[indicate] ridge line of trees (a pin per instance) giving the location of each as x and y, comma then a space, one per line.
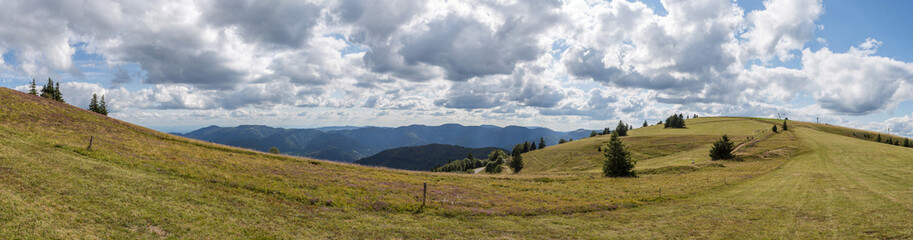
97, 106
51, 90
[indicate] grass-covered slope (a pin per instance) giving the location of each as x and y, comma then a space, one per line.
652, 146
138, 183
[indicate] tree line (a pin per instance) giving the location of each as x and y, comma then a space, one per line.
51, 90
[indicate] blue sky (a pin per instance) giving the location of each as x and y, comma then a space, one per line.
176, 65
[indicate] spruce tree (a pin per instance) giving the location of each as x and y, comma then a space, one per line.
57, 95
516, 162
93, 104
621, 129
722, 149
103, 107
774, 128
785, 128
593, 133
48, 90
32, 88
878, 139
906, 142
541, 143
469, 156
645, 123
618, 161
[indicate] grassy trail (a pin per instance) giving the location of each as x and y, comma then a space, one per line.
843, 188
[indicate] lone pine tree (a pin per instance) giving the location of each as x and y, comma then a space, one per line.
618, 161
722, 149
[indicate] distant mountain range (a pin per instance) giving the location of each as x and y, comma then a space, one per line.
348, 144
423, 158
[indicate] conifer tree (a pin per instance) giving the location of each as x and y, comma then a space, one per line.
621, 129
562, 141
878, 139
469, 156
675, 121
48, 90
645, 123
906, 142
93, 104
32, 88
785, 128
618, 161
102, 106
774, 128
593, 133
541, 143
57, 95
722, 149
516, 162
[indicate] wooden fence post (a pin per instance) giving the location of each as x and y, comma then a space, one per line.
424, 195
90, 142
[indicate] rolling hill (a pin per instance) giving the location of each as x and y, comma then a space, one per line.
813, 181
422, 158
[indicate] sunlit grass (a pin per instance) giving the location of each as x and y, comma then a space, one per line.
138, 183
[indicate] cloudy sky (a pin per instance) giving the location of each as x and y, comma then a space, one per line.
177, 65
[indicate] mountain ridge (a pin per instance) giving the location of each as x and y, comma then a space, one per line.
348, 145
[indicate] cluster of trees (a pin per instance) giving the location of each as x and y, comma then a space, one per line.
274, 150
722, 149
495, 159
621, 129
785, 126
896, 142
561, 141
492, 165
529, 146
675, 121
51, 90
98, 106
618, 162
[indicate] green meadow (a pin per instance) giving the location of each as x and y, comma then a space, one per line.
813, 181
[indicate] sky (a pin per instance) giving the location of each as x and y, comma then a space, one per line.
176, 65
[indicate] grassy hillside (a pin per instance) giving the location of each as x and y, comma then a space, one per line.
651, 146
138, 183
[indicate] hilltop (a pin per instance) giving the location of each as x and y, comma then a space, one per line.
813, 181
